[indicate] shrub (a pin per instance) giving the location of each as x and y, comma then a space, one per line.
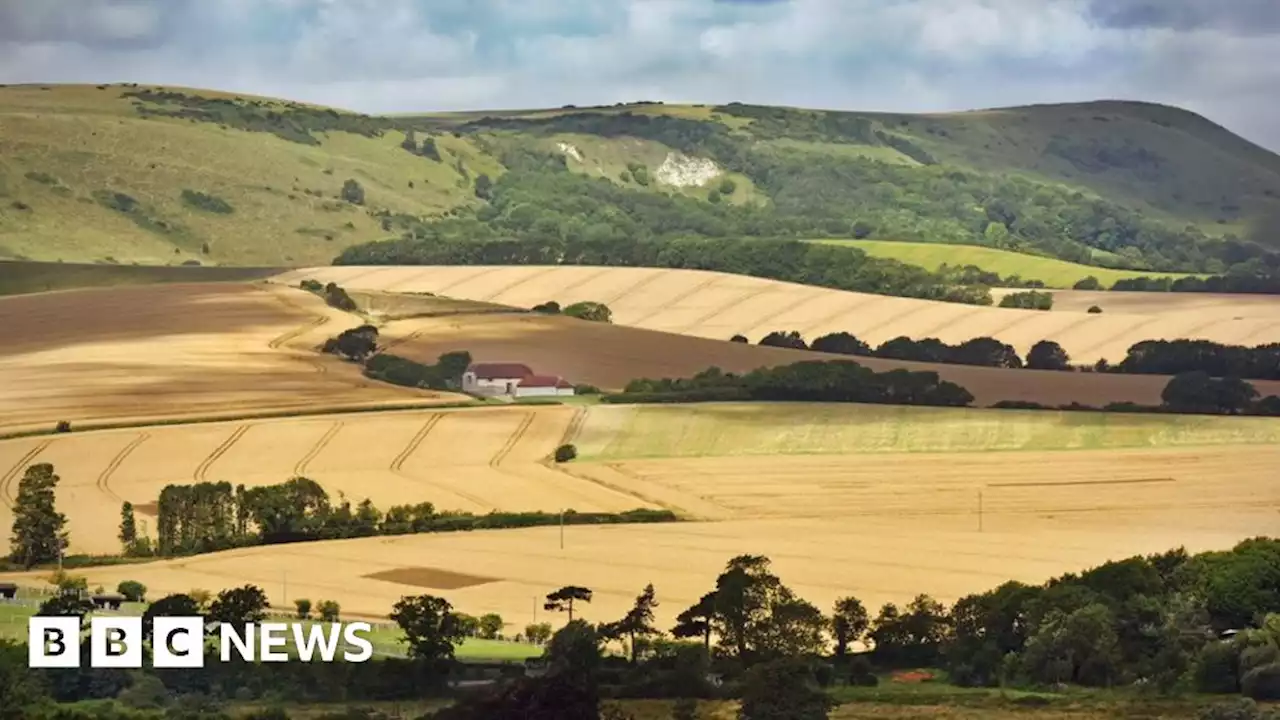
738, 339
353, 192
62, 427
206, 202
550, 307
329, 610
132, 590
1029, 300
586, 310
565, 453
1089, 283
585, 389
1262, 683
1094, 310
303, 606
727, 186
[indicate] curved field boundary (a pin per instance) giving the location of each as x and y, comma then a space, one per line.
218, 452
6, 481
300, 467
398, 462
103, 482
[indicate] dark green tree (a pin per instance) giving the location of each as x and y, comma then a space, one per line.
562, 600
38, 528
484, 187
1048, 355
128, 526
429, 149
431, 628
239, 606
178, 605
697, 621
637, 623
849, 623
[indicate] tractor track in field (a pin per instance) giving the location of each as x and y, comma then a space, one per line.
699, 287
103, 481
211, 458
6, 480
510, 444
300, 467
397, 464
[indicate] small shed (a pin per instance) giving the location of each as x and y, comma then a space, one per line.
8, 591
107, 601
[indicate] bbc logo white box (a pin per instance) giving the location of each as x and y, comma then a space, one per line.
53, 642
115, 642
177, 642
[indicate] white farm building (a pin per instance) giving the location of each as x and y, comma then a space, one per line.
513, 379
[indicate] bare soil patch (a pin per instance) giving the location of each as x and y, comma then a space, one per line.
433, 578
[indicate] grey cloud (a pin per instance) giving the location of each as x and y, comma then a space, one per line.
1247, 17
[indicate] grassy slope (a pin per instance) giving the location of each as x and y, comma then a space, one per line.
1052, 272
62, 144
767, 429
78, 140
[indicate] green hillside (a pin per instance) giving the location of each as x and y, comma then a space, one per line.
1053, 273
125, 174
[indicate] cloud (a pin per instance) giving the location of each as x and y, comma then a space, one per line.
1220, 59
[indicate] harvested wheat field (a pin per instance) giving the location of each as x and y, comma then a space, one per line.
175, 351
879, 502
610, 356
474, 459
1221, 305
720, 305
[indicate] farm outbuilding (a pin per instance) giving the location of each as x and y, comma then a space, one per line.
543, 386
513, 379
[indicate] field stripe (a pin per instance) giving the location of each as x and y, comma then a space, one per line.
584, 281
465, 279
508, 288
768, 317
300, 468
560, 468
417, 439
575, 426
737, 300
218, 452
705, 284
6, 481
512, 441
103, 482
1070, 483
654, 276
858, 302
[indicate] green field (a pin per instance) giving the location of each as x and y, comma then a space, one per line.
1052, 272
17, 277
386, 638
729, 429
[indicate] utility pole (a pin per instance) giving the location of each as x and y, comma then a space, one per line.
979, 510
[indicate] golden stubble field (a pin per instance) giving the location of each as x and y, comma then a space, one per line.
720, 305
879, 502
175, 351
475, 460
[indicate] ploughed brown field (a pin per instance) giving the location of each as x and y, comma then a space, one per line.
720, 305
610, 356
876, 501
175, 351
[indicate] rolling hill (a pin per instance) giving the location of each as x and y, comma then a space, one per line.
129, 174
718, 305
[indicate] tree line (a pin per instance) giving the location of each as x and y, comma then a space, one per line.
1146, 357
1172, 622
808, 381
206, 517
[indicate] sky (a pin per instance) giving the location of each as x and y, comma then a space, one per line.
1220, 58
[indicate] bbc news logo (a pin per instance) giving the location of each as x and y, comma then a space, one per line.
179, 642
